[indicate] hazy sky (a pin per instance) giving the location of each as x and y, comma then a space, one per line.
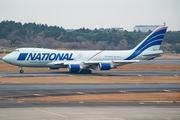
75, 14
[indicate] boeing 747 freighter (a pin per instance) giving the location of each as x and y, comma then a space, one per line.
83, 61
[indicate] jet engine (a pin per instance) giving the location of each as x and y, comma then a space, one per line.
74, 67
104, 66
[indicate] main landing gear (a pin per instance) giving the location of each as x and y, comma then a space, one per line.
21, 70
85, 71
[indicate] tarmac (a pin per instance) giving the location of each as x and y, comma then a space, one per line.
136, 110
91, 113
16, 91
94, 73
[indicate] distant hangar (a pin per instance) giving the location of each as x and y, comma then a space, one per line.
146, 28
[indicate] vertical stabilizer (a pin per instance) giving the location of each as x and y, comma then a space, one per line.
150, 43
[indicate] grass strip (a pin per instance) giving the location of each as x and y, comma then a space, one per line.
149, 97
94, 79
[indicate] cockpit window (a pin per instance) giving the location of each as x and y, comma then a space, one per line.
16, 50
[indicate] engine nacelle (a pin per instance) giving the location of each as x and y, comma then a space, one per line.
74, 67
104, 66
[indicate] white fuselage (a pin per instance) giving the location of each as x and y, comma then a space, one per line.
44, 57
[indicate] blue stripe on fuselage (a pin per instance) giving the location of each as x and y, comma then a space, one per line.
136, 53
22, 56
149, 39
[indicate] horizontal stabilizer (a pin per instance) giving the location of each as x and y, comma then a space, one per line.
154, 54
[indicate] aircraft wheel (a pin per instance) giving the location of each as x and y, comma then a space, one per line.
89, 71
85, 71
74, 71
82, 71
21, 71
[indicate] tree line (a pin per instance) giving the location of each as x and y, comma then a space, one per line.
16, 34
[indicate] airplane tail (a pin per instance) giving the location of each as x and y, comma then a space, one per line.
151, 43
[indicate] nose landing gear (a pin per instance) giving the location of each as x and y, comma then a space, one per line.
21, 70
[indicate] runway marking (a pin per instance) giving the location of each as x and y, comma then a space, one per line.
141, 103
50, 113
122, 91
79, 92
166, 90
20, 101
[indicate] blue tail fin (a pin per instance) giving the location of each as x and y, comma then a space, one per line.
150, 43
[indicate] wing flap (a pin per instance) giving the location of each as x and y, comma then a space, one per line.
125, 61
67, 63
113, 61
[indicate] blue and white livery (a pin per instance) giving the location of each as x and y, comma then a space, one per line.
83, 61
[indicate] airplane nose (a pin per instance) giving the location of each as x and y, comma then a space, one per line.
4, 58
7, 59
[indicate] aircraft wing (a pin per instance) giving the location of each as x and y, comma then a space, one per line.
101, 65
113, 61
121, 62
63, 63
94, 62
